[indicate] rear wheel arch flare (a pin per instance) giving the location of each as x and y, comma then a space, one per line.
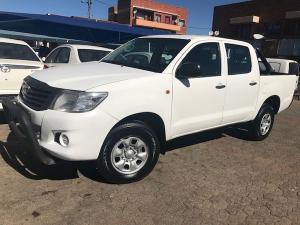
273, 101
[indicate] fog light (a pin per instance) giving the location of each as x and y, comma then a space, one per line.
64, 140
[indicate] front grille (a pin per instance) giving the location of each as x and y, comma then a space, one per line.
36, 94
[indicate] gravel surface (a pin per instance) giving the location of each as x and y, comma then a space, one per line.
215, 177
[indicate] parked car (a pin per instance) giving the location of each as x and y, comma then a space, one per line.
17, 61
284, 66
120, 112
75, 54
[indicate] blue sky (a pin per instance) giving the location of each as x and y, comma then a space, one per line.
200, 11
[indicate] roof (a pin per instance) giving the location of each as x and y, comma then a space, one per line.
12, 41
191, 37
75, 28
87, 47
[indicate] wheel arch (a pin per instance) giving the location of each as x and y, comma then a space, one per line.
153, 120
273, 101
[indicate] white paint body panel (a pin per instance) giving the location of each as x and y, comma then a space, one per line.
11, 81
188, 108
74, 57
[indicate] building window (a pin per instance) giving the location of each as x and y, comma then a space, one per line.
272, 29
157, 18
168, 19
241, 31
182, 23
293, 27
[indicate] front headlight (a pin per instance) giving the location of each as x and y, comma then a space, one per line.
77, 102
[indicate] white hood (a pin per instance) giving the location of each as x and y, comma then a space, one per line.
87, 75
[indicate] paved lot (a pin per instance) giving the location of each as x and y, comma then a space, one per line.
216, 177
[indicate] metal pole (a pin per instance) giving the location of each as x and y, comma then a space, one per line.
89, 4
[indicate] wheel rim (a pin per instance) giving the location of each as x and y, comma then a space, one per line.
129, 155
265, 124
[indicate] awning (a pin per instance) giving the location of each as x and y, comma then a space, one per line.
292, 15
71, 28
245, 19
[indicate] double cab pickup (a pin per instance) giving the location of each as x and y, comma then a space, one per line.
120, 111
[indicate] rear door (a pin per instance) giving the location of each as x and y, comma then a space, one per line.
242, 83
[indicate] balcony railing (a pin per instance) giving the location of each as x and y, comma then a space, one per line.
157, 25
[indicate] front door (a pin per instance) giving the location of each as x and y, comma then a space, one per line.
198, 101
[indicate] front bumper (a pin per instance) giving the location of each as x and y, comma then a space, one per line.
86, 131
20, 124
11, 97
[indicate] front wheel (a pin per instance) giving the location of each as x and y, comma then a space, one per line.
129, 153
261, 127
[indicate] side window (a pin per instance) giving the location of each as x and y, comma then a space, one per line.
63, 56
239, 59
52, 57
207, 57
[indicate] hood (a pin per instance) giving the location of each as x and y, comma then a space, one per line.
87, 75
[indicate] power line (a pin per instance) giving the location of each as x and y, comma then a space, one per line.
103, 3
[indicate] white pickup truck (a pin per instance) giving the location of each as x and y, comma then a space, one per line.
122, 110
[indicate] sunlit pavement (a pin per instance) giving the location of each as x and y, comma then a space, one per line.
216, 177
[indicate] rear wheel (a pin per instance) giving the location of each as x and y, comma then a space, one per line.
261, 127
129, 153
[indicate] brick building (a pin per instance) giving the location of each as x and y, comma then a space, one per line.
278, 21
150, 14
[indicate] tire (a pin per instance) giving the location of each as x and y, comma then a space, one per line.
258, 130
129, 153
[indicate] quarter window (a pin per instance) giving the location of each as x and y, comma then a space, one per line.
239, 59
207, 56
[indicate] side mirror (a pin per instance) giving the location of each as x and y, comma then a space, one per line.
188, 70
258, 36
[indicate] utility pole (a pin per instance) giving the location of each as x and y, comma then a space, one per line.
89, 4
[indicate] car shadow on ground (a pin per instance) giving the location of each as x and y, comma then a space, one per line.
14, 154
238, 131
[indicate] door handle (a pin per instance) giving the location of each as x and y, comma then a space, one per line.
253, 83
220, 86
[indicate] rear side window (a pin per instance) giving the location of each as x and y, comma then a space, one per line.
294, 69
90, 55
17, 52
239, 59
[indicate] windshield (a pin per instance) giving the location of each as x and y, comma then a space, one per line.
152, 54
17, 52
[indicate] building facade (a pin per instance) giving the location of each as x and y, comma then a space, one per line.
150, 14
278, 21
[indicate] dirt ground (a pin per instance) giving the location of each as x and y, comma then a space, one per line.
215, 177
